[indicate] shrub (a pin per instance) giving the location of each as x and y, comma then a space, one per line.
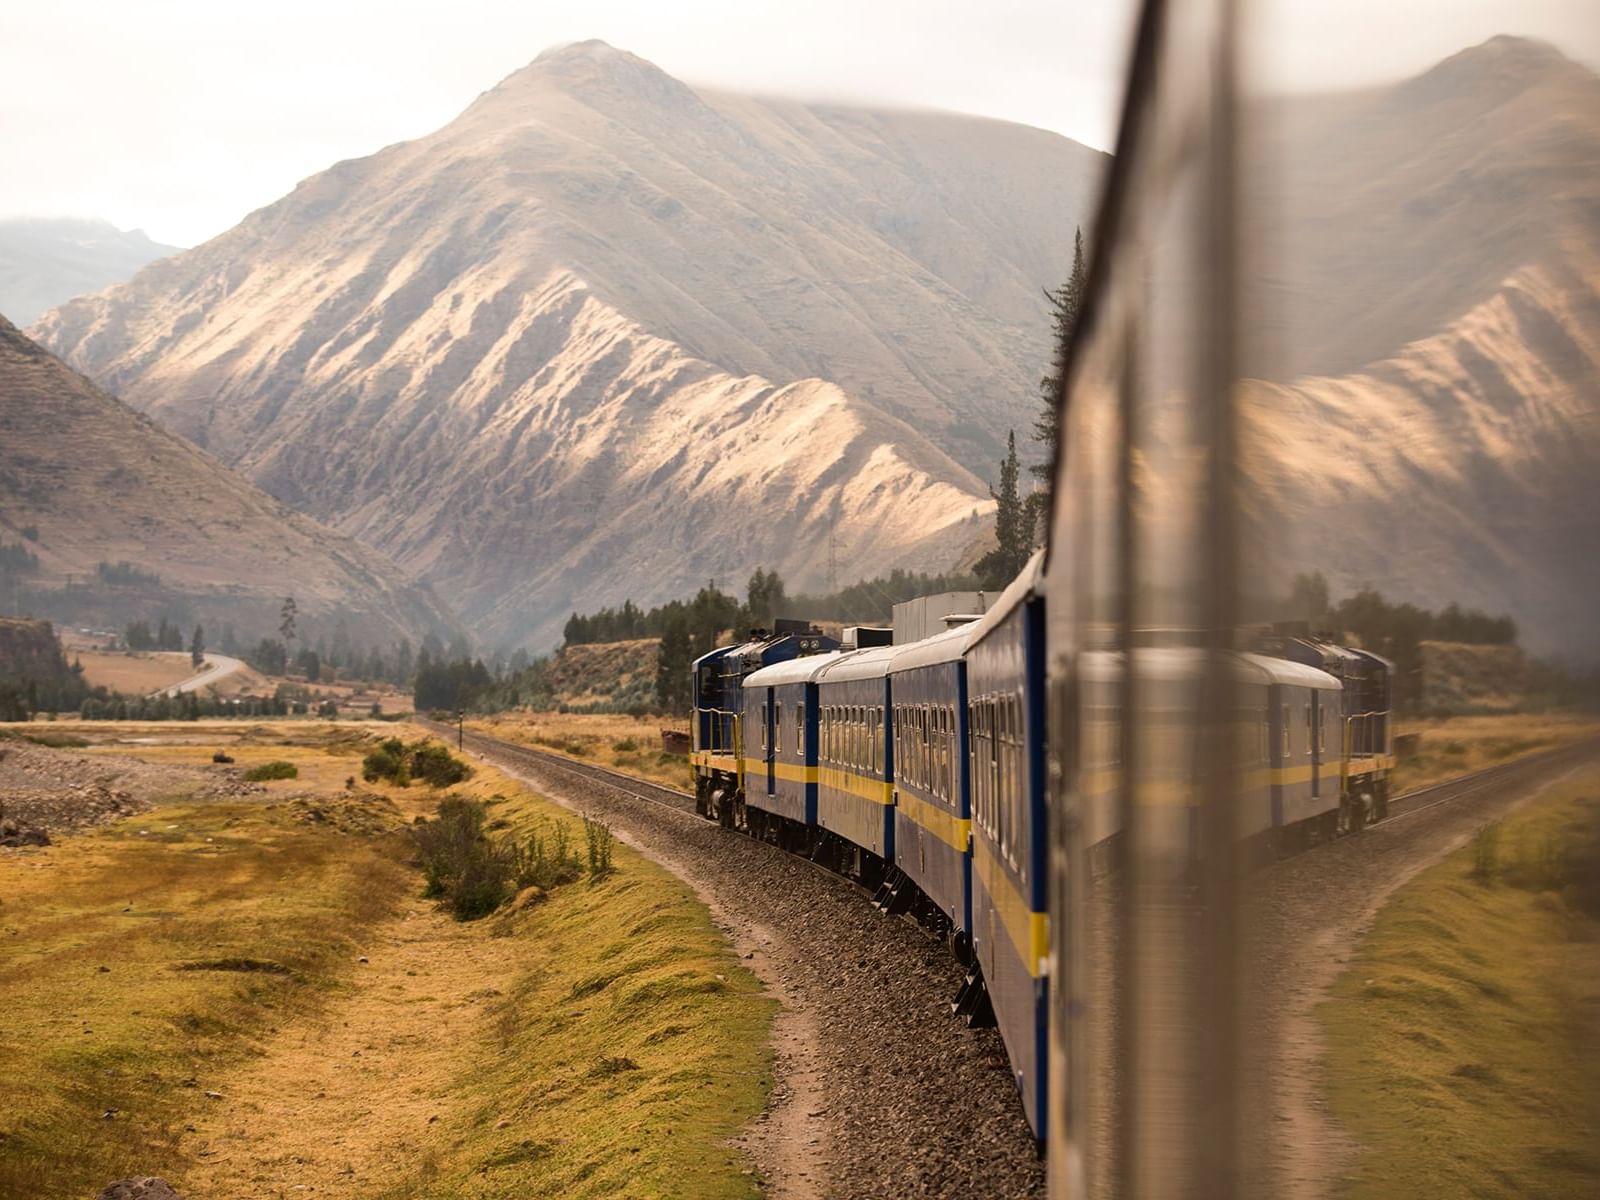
1486, 853
546, 863
398, 763
598, 837
277, 769
432, 762
625, 746
459, 863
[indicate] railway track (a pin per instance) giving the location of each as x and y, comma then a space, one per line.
1404, 805
1513, 772
644, 789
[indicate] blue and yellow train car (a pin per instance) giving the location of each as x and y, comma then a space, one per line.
855, 761
932, 800
1006, 735
780, 751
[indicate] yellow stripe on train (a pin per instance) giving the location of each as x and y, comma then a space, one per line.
949, 829
1028, 929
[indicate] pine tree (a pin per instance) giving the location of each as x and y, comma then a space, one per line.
1065, 304
197, 648
672, 666
1012, 528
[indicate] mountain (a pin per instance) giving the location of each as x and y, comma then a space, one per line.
85, 480
607, 335
45, 261
1428, 338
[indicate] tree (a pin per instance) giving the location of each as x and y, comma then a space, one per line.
1066, 302
764, 596
286, 619
1012, 529
197, 648
672, 665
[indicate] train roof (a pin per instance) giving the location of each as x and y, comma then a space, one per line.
945, 646
1169, 663
1017, 591
1283, 671
792, 670
858, 664
717, 653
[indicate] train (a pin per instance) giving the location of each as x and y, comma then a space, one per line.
923, 771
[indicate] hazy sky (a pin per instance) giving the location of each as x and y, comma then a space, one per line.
180, 116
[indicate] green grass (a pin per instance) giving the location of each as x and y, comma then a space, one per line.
1458, 1037
277, 769
633, 1046
138, 967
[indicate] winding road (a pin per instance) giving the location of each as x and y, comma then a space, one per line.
217, 668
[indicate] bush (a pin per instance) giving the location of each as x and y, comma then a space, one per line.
459, 863
1486, 853
432, 762
545, 863
399, 764
277, 769
599, 839
625, 746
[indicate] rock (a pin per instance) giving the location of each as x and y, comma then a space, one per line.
213, 1095
141, 1187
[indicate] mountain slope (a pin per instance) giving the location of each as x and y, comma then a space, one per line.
91, 481
520, 353
1432, 337
46, 261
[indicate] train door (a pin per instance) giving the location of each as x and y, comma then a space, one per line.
769, 714
1314, 729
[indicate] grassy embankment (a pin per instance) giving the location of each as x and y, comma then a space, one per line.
1462, 1037
623, 743
605, 1041
1452, 746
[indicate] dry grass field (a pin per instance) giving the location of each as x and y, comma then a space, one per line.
254, 991
1452, 746
623, 743
1459, 1035
133, 674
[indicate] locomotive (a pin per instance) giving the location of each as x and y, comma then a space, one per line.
922, 771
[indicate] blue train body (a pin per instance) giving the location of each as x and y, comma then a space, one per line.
922, 766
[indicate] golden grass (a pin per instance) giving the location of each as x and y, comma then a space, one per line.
98, 1020
623, 743
133, 674
1453, 746
604, 1042
1459, 1038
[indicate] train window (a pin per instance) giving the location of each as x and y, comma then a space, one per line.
800, 730
1311, 733
1288, 745
763, 727
777, 728
872, 740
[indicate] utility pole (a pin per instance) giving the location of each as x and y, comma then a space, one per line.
461, 727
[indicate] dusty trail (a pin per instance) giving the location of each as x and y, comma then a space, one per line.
352, 1103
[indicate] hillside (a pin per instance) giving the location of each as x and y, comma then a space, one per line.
85, 480
1429, 340
608, 335
46, 261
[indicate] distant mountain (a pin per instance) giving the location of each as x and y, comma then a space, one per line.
1429, 336
46, 261
85, 480
606, 335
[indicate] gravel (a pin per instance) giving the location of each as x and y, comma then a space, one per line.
59, 791
880, 1091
